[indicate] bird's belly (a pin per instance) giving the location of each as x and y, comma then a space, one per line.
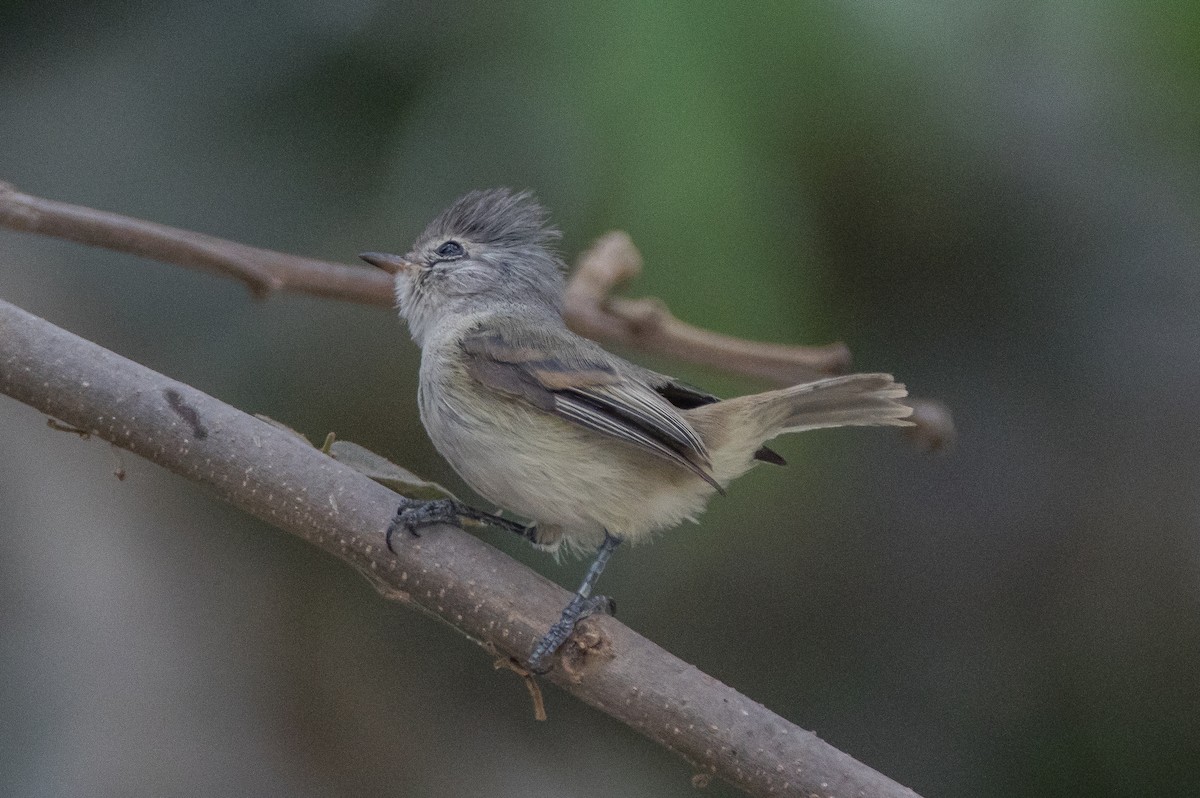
560, 475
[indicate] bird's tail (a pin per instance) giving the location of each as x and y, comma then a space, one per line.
736, 428
853, 400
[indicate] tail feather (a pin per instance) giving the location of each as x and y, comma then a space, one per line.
851, 400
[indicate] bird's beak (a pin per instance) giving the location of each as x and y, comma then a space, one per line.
391, 264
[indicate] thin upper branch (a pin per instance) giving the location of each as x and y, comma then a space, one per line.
286, 482
591, 308
263, 271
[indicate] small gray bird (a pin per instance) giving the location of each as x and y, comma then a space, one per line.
548, 425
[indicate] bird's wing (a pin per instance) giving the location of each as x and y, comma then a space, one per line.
685, 397
562, 375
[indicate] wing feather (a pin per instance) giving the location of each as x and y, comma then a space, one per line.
645, 406
589, 392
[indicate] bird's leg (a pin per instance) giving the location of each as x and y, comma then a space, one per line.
413, 514
582, 605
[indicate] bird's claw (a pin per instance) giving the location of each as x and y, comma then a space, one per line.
412, 515
559, 633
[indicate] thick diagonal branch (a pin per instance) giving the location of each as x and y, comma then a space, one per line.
277, 477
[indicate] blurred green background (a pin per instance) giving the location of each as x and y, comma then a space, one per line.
995, 200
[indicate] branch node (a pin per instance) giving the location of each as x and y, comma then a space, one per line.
587, 647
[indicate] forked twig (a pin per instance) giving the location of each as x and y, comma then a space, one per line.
591, 308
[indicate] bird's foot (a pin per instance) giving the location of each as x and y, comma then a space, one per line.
572, 614
412, 515
581, 606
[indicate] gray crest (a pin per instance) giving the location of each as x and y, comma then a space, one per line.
498, 217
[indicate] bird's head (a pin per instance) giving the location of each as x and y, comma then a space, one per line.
489, 250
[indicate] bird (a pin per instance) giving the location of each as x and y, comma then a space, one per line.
595, 450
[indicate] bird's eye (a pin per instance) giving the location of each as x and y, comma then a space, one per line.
450, 250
